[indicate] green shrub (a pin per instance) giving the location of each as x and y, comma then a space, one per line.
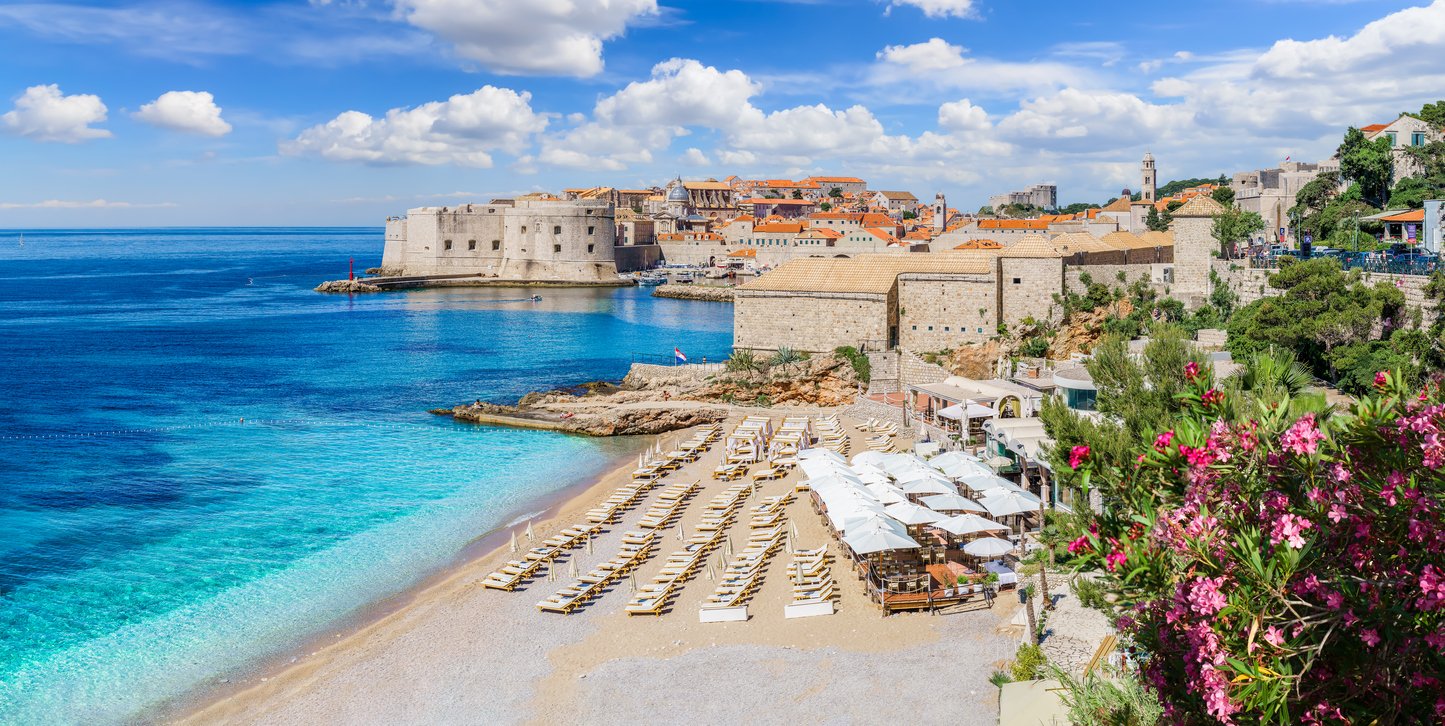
1027, 662
1090, 593
764, 400
999, 678
1113, 698
861, 365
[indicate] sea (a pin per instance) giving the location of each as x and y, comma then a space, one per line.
205, 464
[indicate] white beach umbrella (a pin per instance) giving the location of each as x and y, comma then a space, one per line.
869, 457
589, 542
709, 572
632, 577
824, 454
887, 493
929, 486
988, 547
878, 539
529, 529
572, 567
983, 483
514, 540
970, 524
1003, 503
861, 521
951, 503
681, 535
913, 514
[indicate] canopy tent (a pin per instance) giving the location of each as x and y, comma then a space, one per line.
970, 524
871, 539
951, 503
818, 467
912, 514
988, 547
957, 412
987, 482
828, 454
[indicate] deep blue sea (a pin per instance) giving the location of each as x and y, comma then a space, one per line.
150, 542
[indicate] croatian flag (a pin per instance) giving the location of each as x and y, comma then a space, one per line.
677, 353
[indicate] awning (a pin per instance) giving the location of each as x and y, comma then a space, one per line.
956, 412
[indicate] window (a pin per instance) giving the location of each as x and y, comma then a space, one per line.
1018, 280
945, 328
590, 248
915, 327
471, 244
1417, 139
1080, 400
591, 230
524, 229
980, 330
557, 249
491, 210
496, 245
557, 229
447, 245
1393, 140
930, 328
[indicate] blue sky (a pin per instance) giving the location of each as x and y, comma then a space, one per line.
344, 111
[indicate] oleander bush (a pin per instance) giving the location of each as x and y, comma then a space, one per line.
1273, 567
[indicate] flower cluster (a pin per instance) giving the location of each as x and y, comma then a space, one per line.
1286, 569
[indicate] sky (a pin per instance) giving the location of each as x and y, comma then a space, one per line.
342, 112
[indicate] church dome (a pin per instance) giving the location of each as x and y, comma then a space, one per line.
677, 193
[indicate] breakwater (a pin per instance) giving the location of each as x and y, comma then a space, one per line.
706, 293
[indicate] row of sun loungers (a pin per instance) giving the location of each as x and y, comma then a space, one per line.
653, 597
636, 548
813, 587
887, 428
515, 572
669, 506
881, 443
744, 575
831, 435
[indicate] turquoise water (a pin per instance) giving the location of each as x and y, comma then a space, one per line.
151, 542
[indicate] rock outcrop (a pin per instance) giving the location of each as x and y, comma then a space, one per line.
657, 399
346, 286
707, 293
1085, 330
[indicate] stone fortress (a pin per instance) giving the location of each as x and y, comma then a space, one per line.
506, 240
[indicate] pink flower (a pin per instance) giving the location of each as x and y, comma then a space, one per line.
1289, 528
1337, 513
1381, 379
1212, 398
1396, 479
1077, 455
1161, 442
1114, 559
1303, 438
1432, 584
1370, 637
1191, 371
1274, 636
1079, 545
1334, 600
1388, 493
1205, 598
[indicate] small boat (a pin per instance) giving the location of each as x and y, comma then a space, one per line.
650, 280
683, 278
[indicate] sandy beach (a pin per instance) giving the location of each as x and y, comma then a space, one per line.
458, 653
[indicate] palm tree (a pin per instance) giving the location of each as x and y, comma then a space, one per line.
1044, 566
1033, 620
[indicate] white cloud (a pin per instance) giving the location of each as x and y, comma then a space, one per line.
540, 37
1073, 119
938, 63
1410, 39
695, 157
193, 112
936, 54
461, 130
962, 115
44, 113
938, 8
83, 204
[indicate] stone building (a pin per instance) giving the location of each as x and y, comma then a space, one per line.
1193, 249
1404, 133
920, 302
1043, 196
533, 240
850, 185
1271, 192
896, 201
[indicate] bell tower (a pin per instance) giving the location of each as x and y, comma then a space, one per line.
940, 212
1150, 179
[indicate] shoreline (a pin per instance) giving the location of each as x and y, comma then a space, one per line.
549, 509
